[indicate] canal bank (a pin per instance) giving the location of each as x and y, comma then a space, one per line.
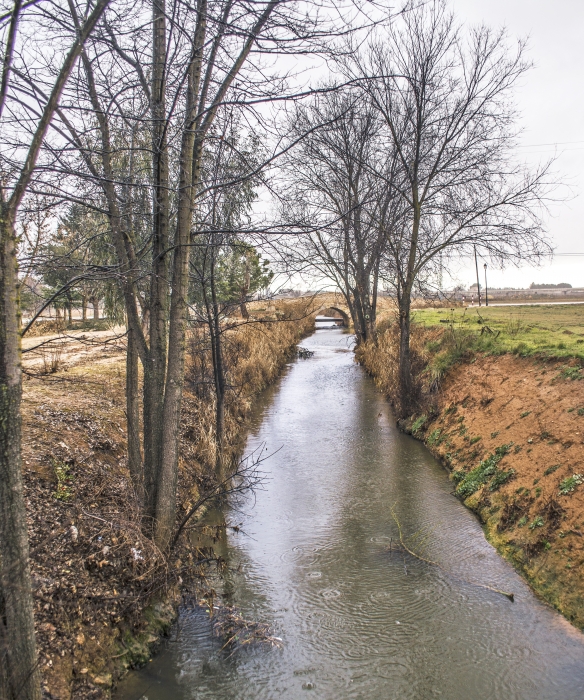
103, 593
314, 556
510, 430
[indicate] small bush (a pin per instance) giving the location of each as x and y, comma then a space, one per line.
501, 477
474, 440
581, 411
570, 483
418, 423
538, 522
524, 414
63, 492
434, 437
479, 476
552, 469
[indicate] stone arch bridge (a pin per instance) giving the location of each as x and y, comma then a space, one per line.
333, 314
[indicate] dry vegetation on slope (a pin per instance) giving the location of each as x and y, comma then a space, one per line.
511, 430
102, 590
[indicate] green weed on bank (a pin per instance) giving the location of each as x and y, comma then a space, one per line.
543, 331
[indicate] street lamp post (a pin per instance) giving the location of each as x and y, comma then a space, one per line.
486, 288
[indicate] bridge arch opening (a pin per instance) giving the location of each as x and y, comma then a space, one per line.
333, 313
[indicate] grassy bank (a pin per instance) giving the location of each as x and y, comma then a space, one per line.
103, 593
503, 409
545, 331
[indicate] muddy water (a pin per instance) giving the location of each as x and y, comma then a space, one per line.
355, 620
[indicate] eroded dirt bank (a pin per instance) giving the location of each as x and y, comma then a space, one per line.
102, 591
511, 430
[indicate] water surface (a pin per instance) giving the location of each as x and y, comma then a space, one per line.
356, 620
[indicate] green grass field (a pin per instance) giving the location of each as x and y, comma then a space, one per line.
550, 331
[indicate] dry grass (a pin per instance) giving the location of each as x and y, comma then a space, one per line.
381, 360
254, 355
95, 573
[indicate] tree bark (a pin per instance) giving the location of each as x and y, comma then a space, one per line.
133, 416
245, 289
406, 384
155, 367
189, 174
218, 375
21, 671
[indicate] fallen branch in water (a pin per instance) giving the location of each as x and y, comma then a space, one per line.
510, 596
229, 624
304, 353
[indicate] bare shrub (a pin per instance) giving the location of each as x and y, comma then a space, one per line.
52, 360
381, 360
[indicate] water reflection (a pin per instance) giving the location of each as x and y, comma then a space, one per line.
358, 622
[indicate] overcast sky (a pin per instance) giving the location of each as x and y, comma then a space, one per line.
551, 101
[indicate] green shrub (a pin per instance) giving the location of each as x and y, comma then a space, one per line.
570, 483
434, 437
479, 476
500, 477
552, 469
418, 423
538, 522
64, 492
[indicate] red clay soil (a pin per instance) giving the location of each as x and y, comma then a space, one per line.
536, 410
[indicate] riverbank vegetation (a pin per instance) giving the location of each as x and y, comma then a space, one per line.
103, 591
503, 410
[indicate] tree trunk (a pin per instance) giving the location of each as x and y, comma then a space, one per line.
95, 303
133, 416
407, 388
218, 376
84, 308
155, 368
407, 397
19, 657
245, 289
189, 176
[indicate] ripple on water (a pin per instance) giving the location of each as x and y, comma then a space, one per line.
358, 622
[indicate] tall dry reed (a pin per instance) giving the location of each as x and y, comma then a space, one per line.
254, 354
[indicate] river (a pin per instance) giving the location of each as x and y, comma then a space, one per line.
312, 559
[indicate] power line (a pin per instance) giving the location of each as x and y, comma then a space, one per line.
555, 143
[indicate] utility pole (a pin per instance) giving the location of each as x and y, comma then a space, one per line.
478, 281
486, 288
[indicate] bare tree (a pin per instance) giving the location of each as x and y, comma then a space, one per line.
220, 218
19, 673
168, 78
445, 97
339, 191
